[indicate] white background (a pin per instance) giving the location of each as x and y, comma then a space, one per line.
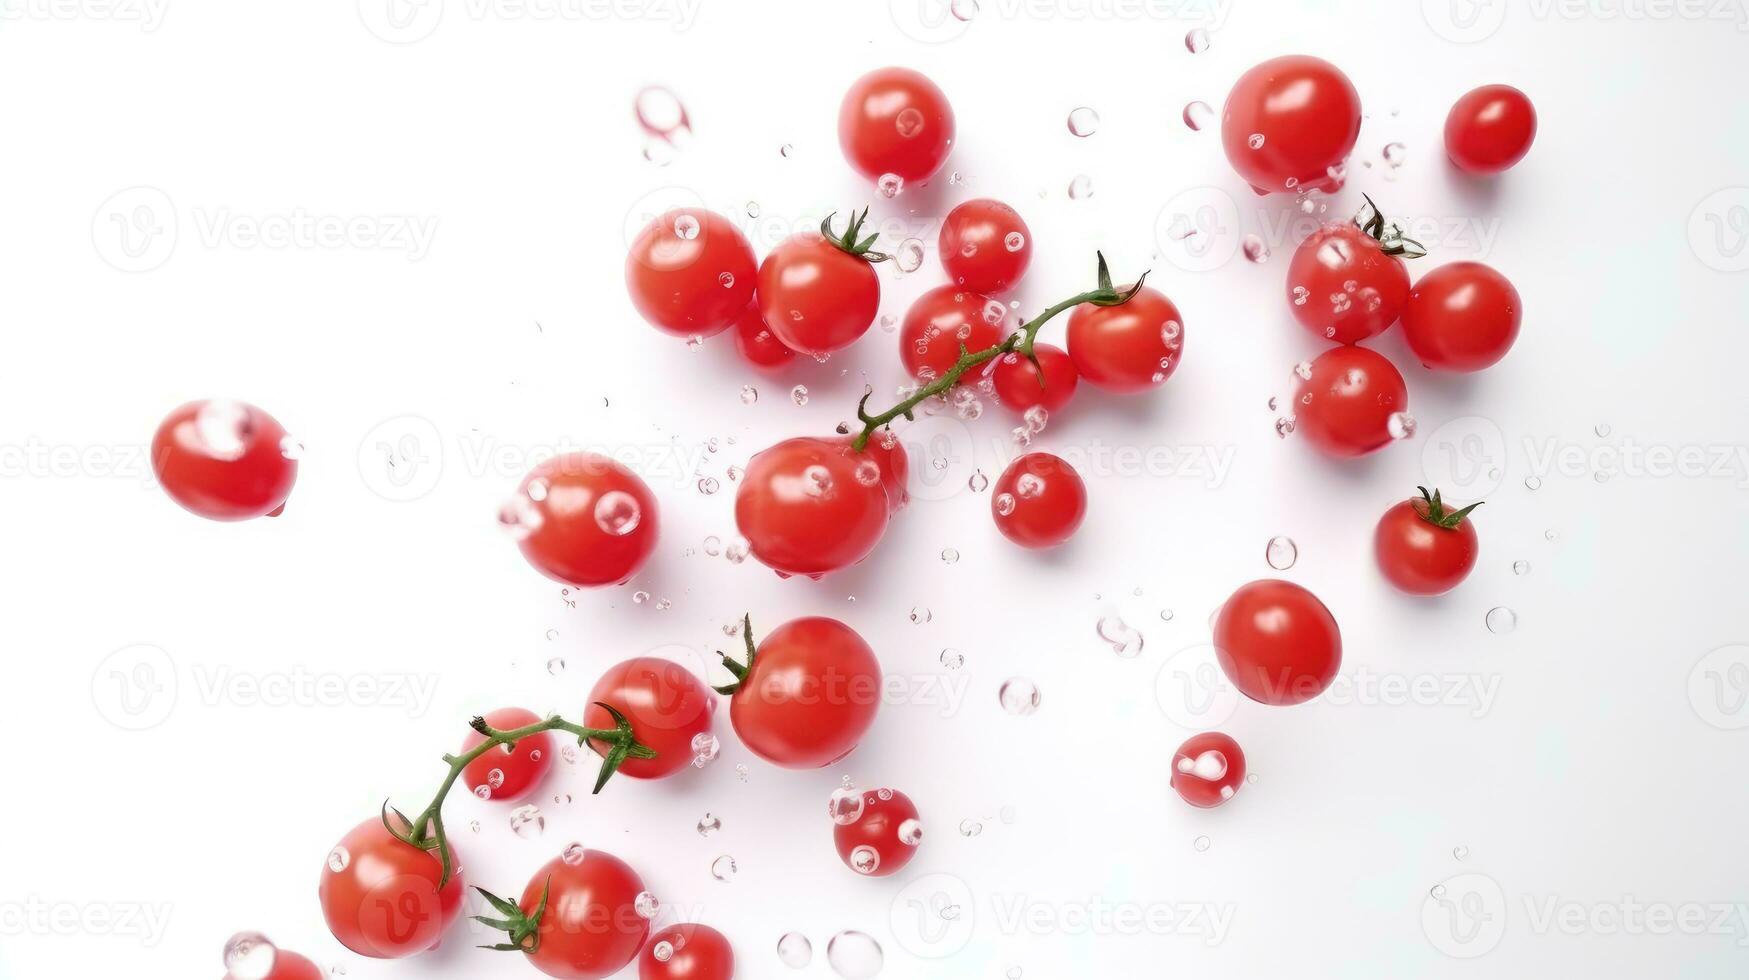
1604, 770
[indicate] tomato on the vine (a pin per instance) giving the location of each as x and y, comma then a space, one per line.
687, 951
1019, 386
1130, 347
819, 293
1208, 769
690, 272
1423, 548
895, 121
508, 775
889, 454
883, 837
1277, 643
808, 694
577, 918
1343, 285
1490, 129
1039, 501
380, 894
940, 321
1462, 316
1345, 401
1289, 124
225, 460
583, 519
756, 343
985, 246
667, 706
808, 506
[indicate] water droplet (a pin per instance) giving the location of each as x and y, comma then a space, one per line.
752, 209
1201, 843
921, 615
1400, 425
1281, 553
663, 951
618, 513
1083, 122
970, 827
1018, 696
844, 806
909, 255
952, 659
723, 868
1126, 640
338, 859
1197, 115
1255, 141
909, 122
249, 956
890, 185
640, 597
854, 955
794, 950
864, 859
704, 749
1080, 187
978, 482
291, 448
527, 821
911, 833
1284, 426
950, 555
1166, 615
1532, 483
708, 485
1004, 504
1501, 620
1393, 154
709, 824
686, 227
1602, 429
1460, 852
661, 113
1014, 241
1521, 567
749, 394
1255, 250
799, 394
963, 9
736, 552
646, 905
786, 151
573, 854
1196, 41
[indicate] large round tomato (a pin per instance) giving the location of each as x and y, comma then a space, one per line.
1463, 316
942, 319
1490, 129
884, 836
1208, 769
1344, 401
1424, 549
1130, 347
985, 246
1289, 123
508, 775
816, 295
666, 705
1020, 387
895, 121
809, 506
590, 927
225, 460
1277, 643
1342, 286
379, 894
584, 519
757, 344
687, 951
1038, 501
690, 272
810, 695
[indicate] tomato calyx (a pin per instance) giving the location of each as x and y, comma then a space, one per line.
1389, 235
1020, 341
1435, 513
740, 670
847, 242
523, 928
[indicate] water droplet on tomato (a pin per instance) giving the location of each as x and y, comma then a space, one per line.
618, 513
249, 956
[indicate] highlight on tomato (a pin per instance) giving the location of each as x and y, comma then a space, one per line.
690, 272
878, 835
1425, 548
1277, 643
985, 246
668, 707
818, 291
687, 951
895, 127
1208, 769
578, 917
1490, 129
809, 506
805, 696
225, 460
383, 897
1290, 123
583, 519
1462, 316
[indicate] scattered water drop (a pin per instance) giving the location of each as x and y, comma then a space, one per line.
1126, 640
1198, 114
794, 950
618, 513
1255, 250
1083, 122
574, 853
661, 113
952, 659
1281, 553
970, 827
909, 255
921, 615
864, 860
705, 748
1460, 852
709, 824
854, 955
1080, 187
723, 868
527, 821
978, 482
1255, 141
249, 956
1201, 843
1196, 41
749, 394
950, 555
338, 859
646, 905
1501, 620
799, 394
1400, 425
1018, 696
1602, 430
1393, 154
890, 185
1014, 241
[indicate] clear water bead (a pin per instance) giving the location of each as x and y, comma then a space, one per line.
1281, 553
1018, 696
1083, 122
794, 950
854, 955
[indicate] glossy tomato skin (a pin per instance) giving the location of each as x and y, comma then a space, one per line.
942, 319
1490, 129
667, 706
690, 272
884, 838
815, 296
1307, 114
584, 519
1039, 501
889, 454
756, 343
1017, 385
985, 246
895, 121
288, 965
1462, 316
1352, 290
1344, 407
224, 460
1277, 643
1208, 769
509, 775
1419, 557
811, 696
591, 928
1127, 348
383, 901
809, 506
697, 952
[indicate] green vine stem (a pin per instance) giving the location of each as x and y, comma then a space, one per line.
1019, 341
426, 831
1389, 235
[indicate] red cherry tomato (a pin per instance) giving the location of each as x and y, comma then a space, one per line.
883, 838
1344, 406
688, 951
1424, 549
810, 696
224, 460
1277, 643
757, 344
1343, 287
895, 121
816, 296
1017, 381
287, 965
1462, 316
590, 927
942, 319
690, 272
501, 775
1039, 501
889, 454
1288, 122
985, 246
584, 519
379, 894
1208, 769
810, 506
1490, 129
1126, 348
666, 705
